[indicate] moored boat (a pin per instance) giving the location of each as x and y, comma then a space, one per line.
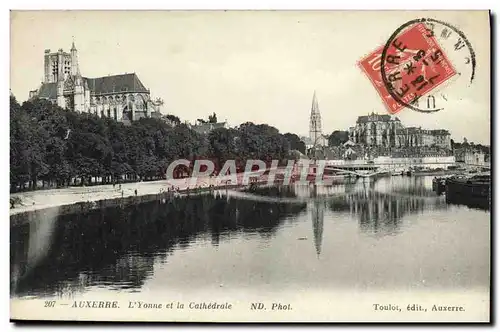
470, 190
439, 184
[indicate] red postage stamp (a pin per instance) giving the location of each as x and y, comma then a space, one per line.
414, 65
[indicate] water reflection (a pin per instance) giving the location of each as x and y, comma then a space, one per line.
317, 217
379, 205
118, 248
382, 213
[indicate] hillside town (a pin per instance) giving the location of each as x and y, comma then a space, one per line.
124, 98
96, 141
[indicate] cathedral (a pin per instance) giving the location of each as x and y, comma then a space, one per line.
386, 131
121, 97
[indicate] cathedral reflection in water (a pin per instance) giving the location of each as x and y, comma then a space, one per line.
379, 213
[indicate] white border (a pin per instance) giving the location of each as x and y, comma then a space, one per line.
191, 4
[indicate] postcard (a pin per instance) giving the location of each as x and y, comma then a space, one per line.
250, 166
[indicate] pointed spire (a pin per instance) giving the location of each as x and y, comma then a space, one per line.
75, 69
315, 106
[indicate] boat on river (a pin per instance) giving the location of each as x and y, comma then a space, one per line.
439, 184
472, 190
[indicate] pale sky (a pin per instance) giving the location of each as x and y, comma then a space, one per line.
251, 66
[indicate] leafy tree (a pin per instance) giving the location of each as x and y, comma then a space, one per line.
212, 118
295, 142
338, 137
173, 118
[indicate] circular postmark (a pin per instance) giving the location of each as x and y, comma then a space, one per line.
415, 61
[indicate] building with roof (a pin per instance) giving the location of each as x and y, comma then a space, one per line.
121, 97
206, 128
387, 131
470, 156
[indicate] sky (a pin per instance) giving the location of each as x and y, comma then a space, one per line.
253, 66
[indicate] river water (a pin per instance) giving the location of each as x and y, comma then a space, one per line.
386, 234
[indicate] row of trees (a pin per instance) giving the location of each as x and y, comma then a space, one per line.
55, 146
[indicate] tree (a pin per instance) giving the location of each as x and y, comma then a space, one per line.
338, 137
295, 142
212, 118
174, 119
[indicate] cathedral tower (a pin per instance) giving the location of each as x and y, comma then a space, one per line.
74, 60
61, 102
79, 93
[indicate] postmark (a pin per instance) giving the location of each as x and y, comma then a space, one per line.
414, 67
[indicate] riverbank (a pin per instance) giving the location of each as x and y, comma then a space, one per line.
136, 191
436, 172
78, 199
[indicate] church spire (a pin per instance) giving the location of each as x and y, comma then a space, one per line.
314, 107
315, 132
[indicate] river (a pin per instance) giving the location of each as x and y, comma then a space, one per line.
392, 233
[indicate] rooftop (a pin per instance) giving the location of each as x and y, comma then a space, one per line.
115, 83
48, 91
375, 117
100, 85
205, 128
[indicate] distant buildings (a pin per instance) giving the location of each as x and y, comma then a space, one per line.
470, 156
121, 97
386, 131
206, 128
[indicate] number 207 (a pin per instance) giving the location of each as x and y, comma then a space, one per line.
49, 304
